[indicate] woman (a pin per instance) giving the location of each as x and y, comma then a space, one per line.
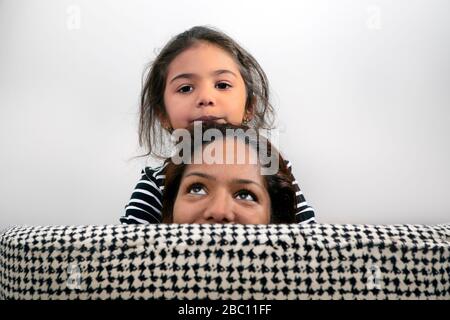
224, 191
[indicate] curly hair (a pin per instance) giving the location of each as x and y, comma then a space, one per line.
279, 185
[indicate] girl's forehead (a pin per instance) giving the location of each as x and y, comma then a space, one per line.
202, 55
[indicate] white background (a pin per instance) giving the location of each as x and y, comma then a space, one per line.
361, 89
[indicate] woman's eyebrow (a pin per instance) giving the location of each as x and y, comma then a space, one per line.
245, 181
210, 177
194, 75
200, 174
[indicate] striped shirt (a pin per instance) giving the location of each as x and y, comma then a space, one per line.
145, 204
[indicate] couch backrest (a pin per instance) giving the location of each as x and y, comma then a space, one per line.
315, 261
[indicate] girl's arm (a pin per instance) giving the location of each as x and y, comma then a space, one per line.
146, 200
305, 213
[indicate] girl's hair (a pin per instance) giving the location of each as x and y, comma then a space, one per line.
152, 109
278, 185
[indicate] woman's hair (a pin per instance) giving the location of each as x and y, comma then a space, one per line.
152, 108
278, 185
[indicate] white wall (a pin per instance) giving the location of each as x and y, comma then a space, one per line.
361, 88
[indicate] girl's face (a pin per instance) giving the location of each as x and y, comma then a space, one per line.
222, 193
204, 81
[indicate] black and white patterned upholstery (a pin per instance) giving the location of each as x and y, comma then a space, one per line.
314, 261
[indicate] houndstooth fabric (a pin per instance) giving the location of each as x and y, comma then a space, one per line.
226, 262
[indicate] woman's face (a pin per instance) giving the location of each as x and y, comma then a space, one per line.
222, 193
204, 81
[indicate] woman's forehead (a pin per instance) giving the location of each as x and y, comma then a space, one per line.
226, 150
226, 173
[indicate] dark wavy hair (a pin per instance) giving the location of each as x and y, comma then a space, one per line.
152, 108
279, 185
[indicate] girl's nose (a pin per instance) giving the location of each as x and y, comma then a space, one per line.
220, 209
205, 98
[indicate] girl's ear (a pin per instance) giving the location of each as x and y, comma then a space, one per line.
165, 123
250, 110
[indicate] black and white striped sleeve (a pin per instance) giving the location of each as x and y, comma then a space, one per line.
305, 213
145, 203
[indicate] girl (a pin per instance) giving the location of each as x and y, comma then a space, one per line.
201, 74
229, 191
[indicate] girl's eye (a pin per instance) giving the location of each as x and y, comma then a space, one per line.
196, 189
220, 85
246, 195
223, 85
183, 89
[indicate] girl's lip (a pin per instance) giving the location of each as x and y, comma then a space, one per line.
206, 118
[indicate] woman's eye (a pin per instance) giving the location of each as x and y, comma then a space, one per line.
246, 195
197, 189
183, 89
223, 85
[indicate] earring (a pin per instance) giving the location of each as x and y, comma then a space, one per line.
166, 125
245, 121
